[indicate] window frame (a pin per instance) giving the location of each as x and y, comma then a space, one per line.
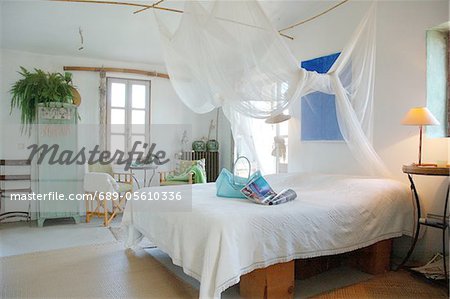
128, 133
448, 83
278, 164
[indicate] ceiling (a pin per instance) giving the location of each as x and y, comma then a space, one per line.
110, 32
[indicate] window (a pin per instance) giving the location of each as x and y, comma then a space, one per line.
270, 141
438, 82
128, 115
318, 113
281, 138
280, 146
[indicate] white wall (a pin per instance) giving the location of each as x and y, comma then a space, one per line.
166, 107
400, 85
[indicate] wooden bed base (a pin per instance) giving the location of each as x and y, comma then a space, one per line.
277, 281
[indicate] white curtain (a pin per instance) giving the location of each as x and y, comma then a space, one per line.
228, 54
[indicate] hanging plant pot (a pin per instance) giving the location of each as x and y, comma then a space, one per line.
55, 111
76, 97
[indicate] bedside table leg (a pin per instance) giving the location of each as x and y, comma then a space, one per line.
443, 254
418, 215
444, 241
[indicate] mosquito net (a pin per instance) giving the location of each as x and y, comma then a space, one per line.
228, 54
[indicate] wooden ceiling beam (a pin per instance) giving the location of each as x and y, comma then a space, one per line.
116, 70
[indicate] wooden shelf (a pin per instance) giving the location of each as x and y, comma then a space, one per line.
21, 190
16, 177
15, 162
15, 214
434, 224
16, 190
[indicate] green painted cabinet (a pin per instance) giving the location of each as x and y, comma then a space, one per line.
57, 131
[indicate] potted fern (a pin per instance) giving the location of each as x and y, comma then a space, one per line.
40, 87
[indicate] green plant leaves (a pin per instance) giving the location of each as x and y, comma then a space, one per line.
39, 87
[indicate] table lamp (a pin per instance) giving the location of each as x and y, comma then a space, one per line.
420, 116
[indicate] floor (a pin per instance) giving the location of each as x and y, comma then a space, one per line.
22, 237
92, 271
330, 280
63, 239
395, 285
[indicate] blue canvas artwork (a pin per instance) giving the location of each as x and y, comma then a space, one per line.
318, 114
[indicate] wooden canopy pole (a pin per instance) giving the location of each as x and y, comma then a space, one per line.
143, 7
314, 17
121, 3
153, 6
115, 70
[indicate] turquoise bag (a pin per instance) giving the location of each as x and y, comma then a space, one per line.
230, 185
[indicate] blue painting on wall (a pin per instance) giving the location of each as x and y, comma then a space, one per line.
318, 116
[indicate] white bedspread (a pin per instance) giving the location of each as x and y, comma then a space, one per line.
222, 239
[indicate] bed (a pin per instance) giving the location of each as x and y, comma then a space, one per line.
221, 239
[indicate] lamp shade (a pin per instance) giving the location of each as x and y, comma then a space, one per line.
419, 116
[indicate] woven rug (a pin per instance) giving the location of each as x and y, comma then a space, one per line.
94, 271
391, 285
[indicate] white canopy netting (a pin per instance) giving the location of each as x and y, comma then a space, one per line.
228, 54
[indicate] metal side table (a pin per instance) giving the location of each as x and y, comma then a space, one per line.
411, 170
144, 168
